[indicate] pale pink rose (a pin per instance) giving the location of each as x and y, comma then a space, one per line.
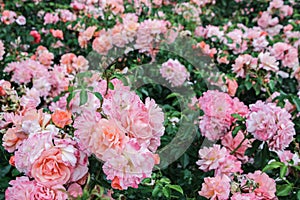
238, 44
41, 192
42, 85
21, 20
244, 63
275, 4
80, 64
213, 106
229, 166
2, 50
49, 169
141, 121
86, 36
213, 128
279, 49
232, 86
288, 28
80, 171
57, 34
266, 20
261, 123
260, 43
130, 167
102, 44
31, 149
31, 100
232, 143
156, 120
44, 56
108, 134
244, 196
21, 188
66, 15
75, 190
174, 72
211, 158
291, 58
285, 11
266, 186
8, 17
214, 31
268, 62
285, 156
116, 6
85, 125
216, 188
51, 18
218, 108
12, 139
268, 122
205, 48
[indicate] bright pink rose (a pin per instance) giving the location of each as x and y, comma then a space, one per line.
232, 143
36, 36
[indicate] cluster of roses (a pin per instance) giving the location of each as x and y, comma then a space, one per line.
52, 161
264, 121
257, 48
124, 136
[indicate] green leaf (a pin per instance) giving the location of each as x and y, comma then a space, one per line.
185, 160
298, 195
83, 97
248, 85
166, 192
237, 116
235, 131
111, 86
296, 101
5, 170
296, 167
15, 172
99, 96
155, 191
262, 157
69, 98
283, 170
284, 190
176, 187
272, 85
272, 165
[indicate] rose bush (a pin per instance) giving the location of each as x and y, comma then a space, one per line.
154, 99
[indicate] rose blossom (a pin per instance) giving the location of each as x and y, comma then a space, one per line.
21, 188
216, 188
61, 118
266, 186
49, 169
211, 158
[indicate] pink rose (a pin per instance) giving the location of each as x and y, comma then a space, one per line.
49, 169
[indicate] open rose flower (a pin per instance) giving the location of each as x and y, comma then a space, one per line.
50, 170
61, 118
